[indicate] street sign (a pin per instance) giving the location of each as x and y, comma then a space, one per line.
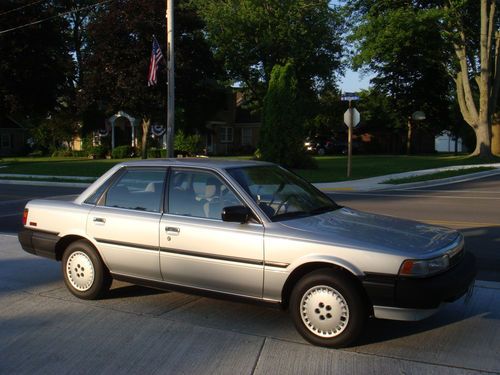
356, 117
349, 96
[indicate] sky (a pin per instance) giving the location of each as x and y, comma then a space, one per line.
354, 81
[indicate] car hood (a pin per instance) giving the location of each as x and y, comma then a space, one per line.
356, 229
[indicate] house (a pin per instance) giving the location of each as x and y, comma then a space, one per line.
446, 142
12, 137
234, 129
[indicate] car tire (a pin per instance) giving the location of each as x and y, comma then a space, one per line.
85, 274
321, 151
328, 308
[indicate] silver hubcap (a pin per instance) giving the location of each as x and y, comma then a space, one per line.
80, 271
324, 311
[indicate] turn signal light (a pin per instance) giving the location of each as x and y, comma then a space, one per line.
25, 216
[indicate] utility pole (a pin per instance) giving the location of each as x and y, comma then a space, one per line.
169, 14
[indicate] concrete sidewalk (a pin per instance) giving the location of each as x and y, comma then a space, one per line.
377, 183
366, 184
44, 330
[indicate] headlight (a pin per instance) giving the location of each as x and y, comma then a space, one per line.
423, 268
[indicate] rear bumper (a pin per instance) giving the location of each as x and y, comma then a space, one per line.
392, 293
38, 242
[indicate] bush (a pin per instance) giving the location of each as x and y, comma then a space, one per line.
154, 153
187, 144
36, 154
79, 153
98, 152
282, 131
62, 153
122, 152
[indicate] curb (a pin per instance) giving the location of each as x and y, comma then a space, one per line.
442, 181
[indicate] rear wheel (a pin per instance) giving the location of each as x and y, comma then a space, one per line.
328, 309
85, 275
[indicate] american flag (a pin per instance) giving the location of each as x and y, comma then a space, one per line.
156, 57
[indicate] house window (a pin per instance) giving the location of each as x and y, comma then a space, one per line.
6, 141
246, 136
226, 135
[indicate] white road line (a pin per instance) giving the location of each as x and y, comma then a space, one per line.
451, 191
414, 196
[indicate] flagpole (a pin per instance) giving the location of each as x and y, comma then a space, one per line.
169, 4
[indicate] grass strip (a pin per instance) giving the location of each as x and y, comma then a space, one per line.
437, 176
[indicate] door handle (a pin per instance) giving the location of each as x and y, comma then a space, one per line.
172, 231
99, 220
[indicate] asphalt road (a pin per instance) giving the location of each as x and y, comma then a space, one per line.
472, 207
134, 330
13, 198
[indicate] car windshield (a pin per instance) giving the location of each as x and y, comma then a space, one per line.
281, 194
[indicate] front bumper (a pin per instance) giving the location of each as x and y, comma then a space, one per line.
421, 293
38, 242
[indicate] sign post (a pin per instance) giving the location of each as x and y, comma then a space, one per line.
351, 119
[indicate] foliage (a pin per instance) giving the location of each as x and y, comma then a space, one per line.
464, 41
116, 63
156, 153
98, 152
122, 152
282, 132
401, 42
188, 144
36, 67
54, 132
251, 37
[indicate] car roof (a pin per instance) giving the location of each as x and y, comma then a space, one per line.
203, 162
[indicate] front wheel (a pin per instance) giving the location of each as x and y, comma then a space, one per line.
328, 309
85, 275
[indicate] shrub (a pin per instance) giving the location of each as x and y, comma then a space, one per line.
79, 153
98, 152
187, 144
62, 153
122, 152
154, 153
282, 131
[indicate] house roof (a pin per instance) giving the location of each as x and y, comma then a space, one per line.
7, 122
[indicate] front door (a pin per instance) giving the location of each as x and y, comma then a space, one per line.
197, 248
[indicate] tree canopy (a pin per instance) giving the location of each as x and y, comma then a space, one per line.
251, 37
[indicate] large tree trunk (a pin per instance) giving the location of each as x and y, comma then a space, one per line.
495, 134
478, 115
146, 122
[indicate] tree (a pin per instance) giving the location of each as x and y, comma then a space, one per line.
477, 62
470, 52
402, 43
251, 37
117, 59
282, 132
36, 67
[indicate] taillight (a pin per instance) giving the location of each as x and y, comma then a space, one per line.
25, 216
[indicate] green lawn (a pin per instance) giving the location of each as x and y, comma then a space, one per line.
331, 168
438, 175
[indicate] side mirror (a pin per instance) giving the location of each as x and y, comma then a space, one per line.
236, 214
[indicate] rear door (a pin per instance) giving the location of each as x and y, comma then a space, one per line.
125, 223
